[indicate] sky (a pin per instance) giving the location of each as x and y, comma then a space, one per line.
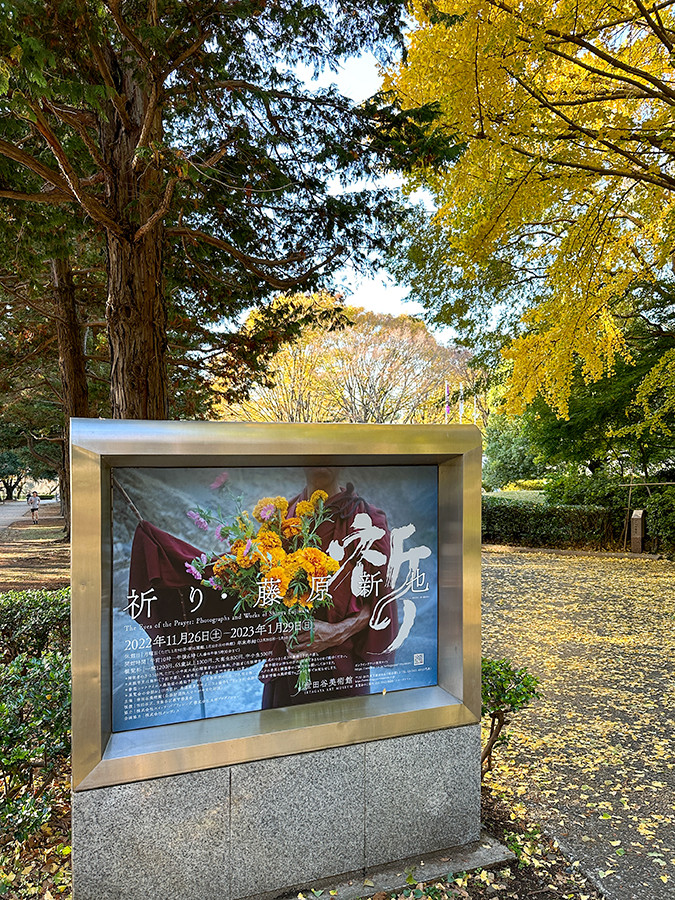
359, 78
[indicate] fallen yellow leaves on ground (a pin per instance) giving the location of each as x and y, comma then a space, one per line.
593, 760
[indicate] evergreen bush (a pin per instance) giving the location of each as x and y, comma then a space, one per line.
34, 706
504, 690
34, 737
527, 523
34, 621
661, 520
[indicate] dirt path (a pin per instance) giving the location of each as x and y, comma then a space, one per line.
34, 556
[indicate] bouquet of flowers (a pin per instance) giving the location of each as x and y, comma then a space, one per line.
273, 562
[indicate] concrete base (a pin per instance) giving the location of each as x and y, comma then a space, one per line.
264, 828
424, 868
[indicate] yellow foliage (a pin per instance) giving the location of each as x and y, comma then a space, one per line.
567, 114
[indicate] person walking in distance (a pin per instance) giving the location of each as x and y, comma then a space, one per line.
34, 505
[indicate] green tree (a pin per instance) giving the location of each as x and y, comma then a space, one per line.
18, 461
210, 172
13, 473
510, 452
602, 431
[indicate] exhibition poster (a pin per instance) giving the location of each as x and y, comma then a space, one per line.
258, 587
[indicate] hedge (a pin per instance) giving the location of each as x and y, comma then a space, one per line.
660, 519
34, 621
530, 524
34, 707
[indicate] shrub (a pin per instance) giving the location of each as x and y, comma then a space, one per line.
532, 524
504, 690
32, 622
525, 484
661, 520
34, 737
600, 489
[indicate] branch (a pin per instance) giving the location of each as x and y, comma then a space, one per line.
147, 123
613, 61
67, 113
90, 204
481, 133
656, 27
159, 214
588, 132
114, 7
253, 264
598, 170
51, 176
71, 118
30, 440
106, 75
47, 197
591, 48
230, 248
627, 93
663, 181
649, 92
186, 54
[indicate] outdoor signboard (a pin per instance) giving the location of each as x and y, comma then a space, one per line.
206, 558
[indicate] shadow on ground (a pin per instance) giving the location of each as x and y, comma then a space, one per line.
35, 556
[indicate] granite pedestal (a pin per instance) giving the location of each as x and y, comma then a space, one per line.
265, 827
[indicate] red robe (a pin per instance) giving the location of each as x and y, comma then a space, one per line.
158, 565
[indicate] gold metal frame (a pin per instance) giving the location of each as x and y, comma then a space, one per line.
101, 758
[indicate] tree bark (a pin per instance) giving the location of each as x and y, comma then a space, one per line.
72, 368
136, 318
135, 310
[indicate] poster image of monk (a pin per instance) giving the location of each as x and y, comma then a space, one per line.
262, 587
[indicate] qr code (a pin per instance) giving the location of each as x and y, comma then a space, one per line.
418, 659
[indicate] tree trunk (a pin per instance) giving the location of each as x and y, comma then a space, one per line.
72, 368
10, 487
72, 361
135, 310
136, 317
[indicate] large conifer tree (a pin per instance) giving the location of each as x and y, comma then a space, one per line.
183, 136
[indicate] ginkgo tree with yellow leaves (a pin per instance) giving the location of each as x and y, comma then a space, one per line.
566, 111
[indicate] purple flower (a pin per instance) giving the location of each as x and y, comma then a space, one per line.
267, 512
190, 569
221, 537
219, 481
198, 520
247, 547
214, 583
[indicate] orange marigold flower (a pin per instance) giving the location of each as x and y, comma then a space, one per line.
268, 539
291, 527
332, 565
318, 495
278, 573
318, 563
220, 567
304, 508
281, 504
275, 556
